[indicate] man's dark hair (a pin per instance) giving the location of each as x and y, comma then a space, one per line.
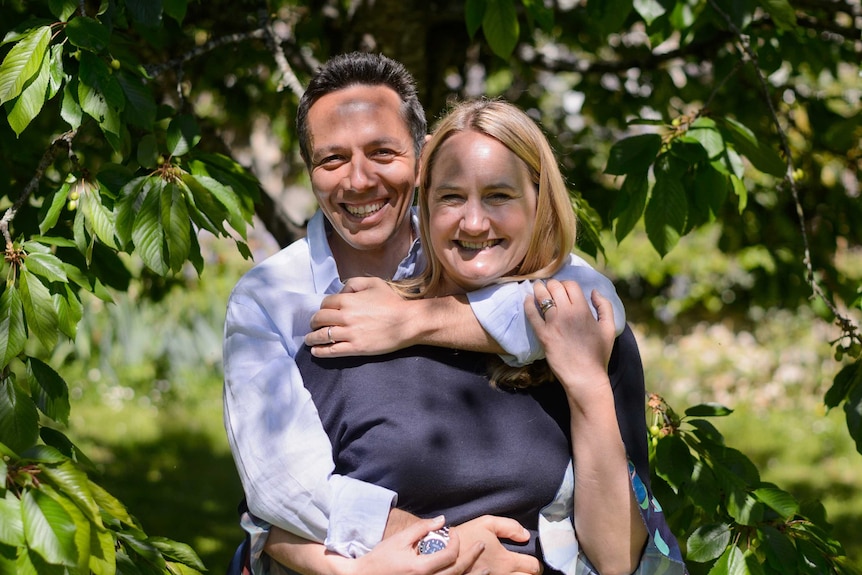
360, 68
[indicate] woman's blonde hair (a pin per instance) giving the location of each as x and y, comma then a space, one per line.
554, 232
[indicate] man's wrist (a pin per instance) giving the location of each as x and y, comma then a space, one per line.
398, 520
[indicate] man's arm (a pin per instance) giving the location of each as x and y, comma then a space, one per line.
281, 451
479, 539
368, 318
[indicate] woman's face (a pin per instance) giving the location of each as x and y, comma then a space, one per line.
482, 210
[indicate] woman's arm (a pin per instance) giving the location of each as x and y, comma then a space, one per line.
607, 520
395, 555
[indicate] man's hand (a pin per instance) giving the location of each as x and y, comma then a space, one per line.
496, 559
366, 318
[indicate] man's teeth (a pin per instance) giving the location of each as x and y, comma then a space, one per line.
477, 245
364, 210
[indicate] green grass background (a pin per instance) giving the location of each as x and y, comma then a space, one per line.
146, 385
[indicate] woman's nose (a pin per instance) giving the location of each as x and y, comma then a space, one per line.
474, 219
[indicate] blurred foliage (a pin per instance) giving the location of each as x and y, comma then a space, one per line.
125, 122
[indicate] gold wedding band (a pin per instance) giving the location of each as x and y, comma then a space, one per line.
329, 334
545, 305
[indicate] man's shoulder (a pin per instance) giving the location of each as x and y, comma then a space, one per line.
288, 268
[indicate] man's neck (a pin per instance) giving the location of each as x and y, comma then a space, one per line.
382, 262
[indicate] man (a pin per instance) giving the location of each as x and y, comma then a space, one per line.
361, 128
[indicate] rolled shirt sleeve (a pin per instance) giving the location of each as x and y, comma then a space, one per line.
500, 310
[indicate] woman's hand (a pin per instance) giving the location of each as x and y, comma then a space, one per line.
577, 345
397, 555
394, 555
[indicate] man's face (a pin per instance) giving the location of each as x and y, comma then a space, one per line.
363, 165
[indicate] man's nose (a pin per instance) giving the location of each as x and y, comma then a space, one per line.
361, 175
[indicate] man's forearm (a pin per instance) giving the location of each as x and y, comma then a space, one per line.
398, 521
449, 322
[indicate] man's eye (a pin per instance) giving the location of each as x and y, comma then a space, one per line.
383, 153
330, 161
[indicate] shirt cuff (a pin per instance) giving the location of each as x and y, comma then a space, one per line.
258, 532
358, 515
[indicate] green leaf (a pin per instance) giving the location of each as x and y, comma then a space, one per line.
110, 504
13, 330
649, 10
630, 204
708, 410
19, 420
99, 93
148, 234
56, 73
103, 553
140, 104
781, 12
43, 454
608, 16
23, 62
28, 105
88, 34
71, 111
178, 552
225, 196
138, 544
49, 390
54, 204
706, 431
100, 219
849, 377
633, 155
708, 542
62, 9
706, 132
501, 28
176, 9
760, 155
39, 309
145, 12
69, 311
474, 12
779, 550
732, 562
57, 440
73, 483
667, 208
131, 198
539, 13
11, 525
83, 529
49, 529
853, 413
45, 265
778, 500
673, 461
175, 222
183, 135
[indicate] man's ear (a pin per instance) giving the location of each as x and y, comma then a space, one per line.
419, 163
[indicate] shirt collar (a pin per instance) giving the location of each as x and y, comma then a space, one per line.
323, 268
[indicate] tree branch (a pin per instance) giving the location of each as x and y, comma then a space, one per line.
64, 140
847, 326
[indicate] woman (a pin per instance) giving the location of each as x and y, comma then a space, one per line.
424, 421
